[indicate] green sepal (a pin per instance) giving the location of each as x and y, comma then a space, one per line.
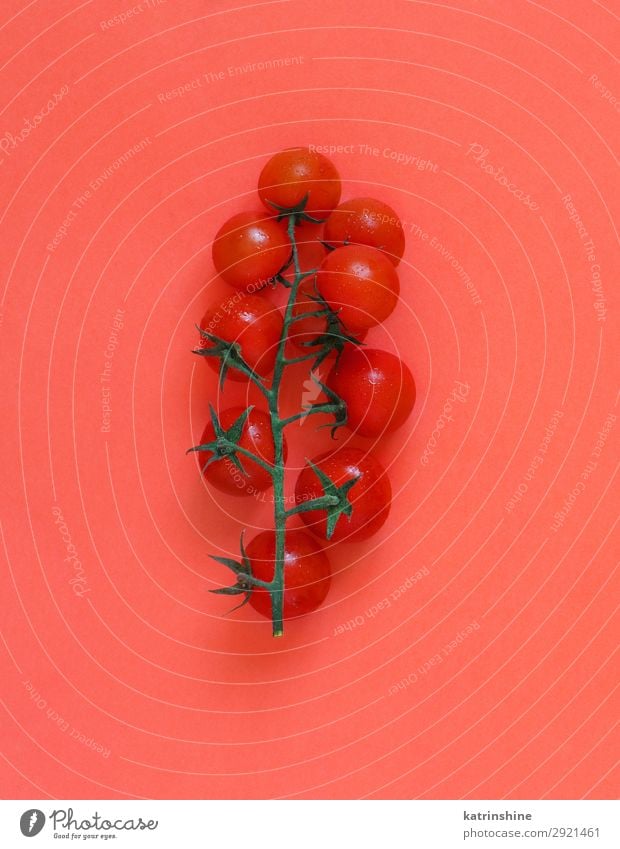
227, 591
242, 570
236, 590
335, 407
330, 247
280, 278
335, 337
231, 564
341, 506
226, 441
229, 354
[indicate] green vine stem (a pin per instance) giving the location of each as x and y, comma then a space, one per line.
277, 425
335, 500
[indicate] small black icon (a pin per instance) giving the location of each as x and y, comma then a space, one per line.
31, 822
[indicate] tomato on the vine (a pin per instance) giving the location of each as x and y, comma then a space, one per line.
361, 284
296, 172
307, 572
252, 322
367, 221
256, 437
249, 250
370, 495
339, 264
376, 386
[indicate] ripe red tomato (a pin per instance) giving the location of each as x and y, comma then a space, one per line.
377, 387
307, 572
249, 249
361, 284
252, 321
366, 221
257, 437
370, 495
296, 172
304, 331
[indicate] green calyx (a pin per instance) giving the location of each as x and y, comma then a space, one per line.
243, 572
225, 445
335, 337
335, 501
334, 407
229, 354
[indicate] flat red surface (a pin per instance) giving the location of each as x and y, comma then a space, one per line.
468, 651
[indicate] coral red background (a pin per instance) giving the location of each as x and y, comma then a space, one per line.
141, 686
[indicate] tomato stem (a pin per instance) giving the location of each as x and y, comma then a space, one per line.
301, 359
277, 426
321, 503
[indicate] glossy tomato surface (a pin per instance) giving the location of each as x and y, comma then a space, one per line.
249, 249
256, 437
254, 323
367, 221
370, 495
307, 572
378, 389
361, 284
294, 173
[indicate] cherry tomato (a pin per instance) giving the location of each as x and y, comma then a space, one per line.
361, 284
307, 572
370, 495
251, 321
257, 437
377, 387
366, 221
304, 331
249, 249
296, 172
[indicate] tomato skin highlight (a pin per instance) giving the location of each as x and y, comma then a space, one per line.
257, 437
377, 387
367, 221
252, 321
293, 173
361, 284
307, 573
249, 250
371, 495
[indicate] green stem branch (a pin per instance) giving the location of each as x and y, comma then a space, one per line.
301, 359
251, 456
321, 503
277, 426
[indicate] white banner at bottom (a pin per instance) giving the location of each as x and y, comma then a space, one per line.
310, 824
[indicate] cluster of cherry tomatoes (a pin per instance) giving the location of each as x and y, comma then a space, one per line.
355, 288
